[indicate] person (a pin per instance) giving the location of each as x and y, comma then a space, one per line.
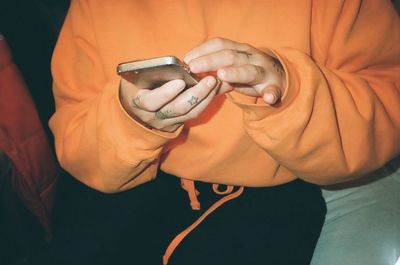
292, 97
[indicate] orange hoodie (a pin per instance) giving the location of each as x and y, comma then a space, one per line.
339, 119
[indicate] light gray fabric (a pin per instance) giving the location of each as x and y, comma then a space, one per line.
362, 225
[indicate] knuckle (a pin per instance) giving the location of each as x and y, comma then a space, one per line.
218, 42
145, 105
230, 56
251, 73
179, 110
207, 60
233, 73
247, 46
147, 120
259, 73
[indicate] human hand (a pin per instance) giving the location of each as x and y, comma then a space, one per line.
240, 67
167, 107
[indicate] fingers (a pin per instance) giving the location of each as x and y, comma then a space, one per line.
220, 59
166, 110
197, 109
270, 94
172, 124
246, 74
214, 45
152, 100
187, 100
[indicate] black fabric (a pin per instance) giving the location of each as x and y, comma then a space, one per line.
21, 236
31, 28
278, 225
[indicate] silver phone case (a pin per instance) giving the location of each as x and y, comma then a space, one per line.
153, 73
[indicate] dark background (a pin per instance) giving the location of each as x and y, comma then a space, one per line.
31, 28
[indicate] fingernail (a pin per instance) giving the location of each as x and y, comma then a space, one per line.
221, 73
269, 98
211, 82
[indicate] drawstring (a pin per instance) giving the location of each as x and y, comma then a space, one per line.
188, 185
228, 190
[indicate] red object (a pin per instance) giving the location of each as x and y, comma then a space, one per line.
24, 141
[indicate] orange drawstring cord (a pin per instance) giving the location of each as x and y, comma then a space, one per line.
228, 190
188, 185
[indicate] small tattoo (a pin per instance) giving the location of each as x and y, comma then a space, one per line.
278, 66
245, 53
193, 100
136, 102
162, 115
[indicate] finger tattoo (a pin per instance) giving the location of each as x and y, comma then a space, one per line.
193, 100
162, 115
245, 53
136, 102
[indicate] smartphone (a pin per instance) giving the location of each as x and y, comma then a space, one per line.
154, 72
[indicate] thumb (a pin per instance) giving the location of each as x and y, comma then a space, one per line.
271, 95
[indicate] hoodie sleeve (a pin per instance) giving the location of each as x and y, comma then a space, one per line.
96, 140
340, 116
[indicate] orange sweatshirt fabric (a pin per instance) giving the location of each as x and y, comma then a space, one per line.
339, 119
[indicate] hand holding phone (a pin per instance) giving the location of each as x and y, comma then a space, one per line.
161, 93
